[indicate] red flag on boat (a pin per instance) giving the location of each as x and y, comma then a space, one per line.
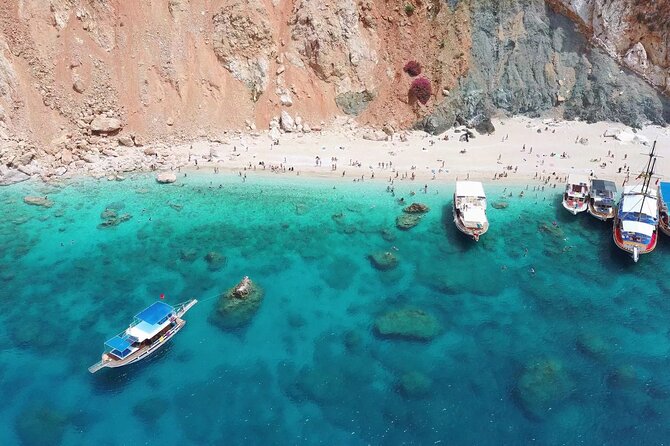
162, 296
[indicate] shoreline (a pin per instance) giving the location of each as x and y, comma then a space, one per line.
522, 151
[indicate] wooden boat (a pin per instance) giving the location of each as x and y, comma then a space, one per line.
150, 330
663, 207
601, 202
636, 221
576, 194
470, 209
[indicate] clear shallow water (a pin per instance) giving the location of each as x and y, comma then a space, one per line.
576, 353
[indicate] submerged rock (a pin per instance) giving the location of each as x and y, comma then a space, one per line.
415, 385
542, 386
215, 260
388, 235
409, 323
238, 305
38, 201
188, 254
110, 217
384, 260
407, 221
149, 410
593, 345
416, 208
41, 425
500, 205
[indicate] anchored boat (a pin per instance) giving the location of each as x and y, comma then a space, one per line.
602, 195
150, 330
636, 221
470, 209
576, 194
663, 205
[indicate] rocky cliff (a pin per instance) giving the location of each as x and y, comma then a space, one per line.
80, 77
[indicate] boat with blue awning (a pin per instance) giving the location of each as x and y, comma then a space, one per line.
150, 330
636, 221
663, 207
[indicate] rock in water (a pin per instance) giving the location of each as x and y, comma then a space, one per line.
407, 221
410, 324
415, 385
11, 176
384, 260
166, 177
215, 261
41, 425
38, 201
542, 386
238, 305
500, 205
416, 208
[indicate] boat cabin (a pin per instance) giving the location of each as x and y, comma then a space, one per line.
148, 324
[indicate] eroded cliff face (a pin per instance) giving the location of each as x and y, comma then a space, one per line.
527, 58
634, 32
78, 78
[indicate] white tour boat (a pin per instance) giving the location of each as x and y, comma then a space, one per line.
470, 209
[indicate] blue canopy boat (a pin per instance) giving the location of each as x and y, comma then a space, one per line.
663, 205
151, 329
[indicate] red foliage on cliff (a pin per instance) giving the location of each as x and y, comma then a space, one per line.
421, 89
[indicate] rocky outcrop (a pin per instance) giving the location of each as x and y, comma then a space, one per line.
383, 260
333, 42
238, 305
243, 42
416, 208
407, 221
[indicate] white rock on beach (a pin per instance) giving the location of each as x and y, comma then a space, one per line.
166, 177
374, 135
11, 176
274, 134
103, 124
286, 121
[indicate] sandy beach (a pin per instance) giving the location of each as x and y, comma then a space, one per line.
521, 150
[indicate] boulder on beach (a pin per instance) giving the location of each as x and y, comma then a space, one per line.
238, 305
166, 177
416, 208
38, 201
407, 221
104, 124
542, 386
414, 385
215, 260
409, 323
383, 260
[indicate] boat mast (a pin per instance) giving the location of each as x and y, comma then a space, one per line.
649, 171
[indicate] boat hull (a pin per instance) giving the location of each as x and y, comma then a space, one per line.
664, 223
604, 216
634, 249
474, 233
574, 207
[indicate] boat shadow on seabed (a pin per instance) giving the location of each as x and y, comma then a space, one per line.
114, 380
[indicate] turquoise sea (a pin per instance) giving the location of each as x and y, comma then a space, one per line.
539, 333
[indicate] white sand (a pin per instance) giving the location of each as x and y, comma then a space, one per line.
485, 155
